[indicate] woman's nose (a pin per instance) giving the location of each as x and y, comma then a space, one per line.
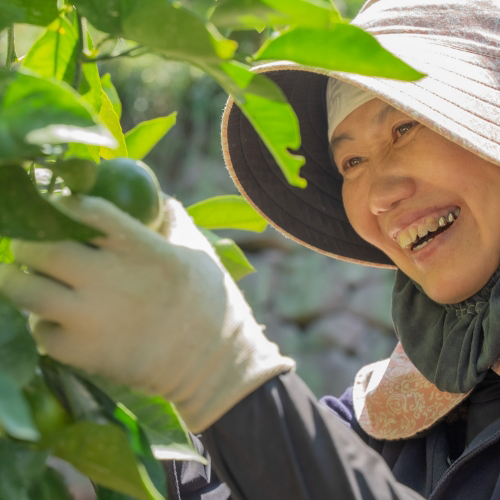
387, 190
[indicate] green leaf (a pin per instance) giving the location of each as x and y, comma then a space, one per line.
5, 253
55, 53
109, 88
144, 137
159, 25
35, 112
267, 109
227, 212
20, 469
258, 14
15, 413
50, 486
90, 86
344, 48
102, 452
18, 352
109, 118
89, 402
25, 214
231, 255
39, 12
138, 441
105, 494
83, 151
158, 418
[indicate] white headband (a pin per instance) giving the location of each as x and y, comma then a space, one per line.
341, 100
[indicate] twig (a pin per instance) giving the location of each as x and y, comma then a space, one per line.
32, 172
80, 50
107, 57
52, 184
11, 47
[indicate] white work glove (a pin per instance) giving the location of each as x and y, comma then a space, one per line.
155, 311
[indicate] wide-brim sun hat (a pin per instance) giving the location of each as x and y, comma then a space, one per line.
456, 43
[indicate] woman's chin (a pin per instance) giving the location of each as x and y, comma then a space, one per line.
454, 289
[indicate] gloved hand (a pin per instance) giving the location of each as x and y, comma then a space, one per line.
155, 311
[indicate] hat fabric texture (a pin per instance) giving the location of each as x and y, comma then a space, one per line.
456, 43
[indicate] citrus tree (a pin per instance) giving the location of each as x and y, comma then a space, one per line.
60, 134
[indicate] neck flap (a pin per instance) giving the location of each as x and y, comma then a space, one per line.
445, 350
452, 345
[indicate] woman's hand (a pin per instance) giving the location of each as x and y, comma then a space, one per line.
154, 311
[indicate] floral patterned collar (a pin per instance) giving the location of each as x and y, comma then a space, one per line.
393, 400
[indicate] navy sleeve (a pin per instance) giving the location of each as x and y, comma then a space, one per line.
280, 443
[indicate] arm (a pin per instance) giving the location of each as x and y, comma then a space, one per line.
280, 443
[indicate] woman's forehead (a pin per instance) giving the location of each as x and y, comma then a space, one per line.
373, 113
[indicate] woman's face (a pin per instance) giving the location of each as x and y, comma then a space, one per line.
430, 205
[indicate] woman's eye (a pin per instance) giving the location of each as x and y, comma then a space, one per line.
352, 162
404, 128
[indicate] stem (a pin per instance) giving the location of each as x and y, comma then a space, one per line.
80, 49
52, 184
11, 47
107, 57
32, 172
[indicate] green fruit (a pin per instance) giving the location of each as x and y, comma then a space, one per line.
132, 186
48, 414
78, 174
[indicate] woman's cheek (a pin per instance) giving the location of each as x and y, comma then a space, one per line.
358, 212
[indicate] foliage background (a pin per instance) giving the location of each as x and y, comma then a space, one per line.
330, 316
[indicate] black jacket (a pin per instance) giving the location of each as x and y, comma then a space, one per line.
279, 443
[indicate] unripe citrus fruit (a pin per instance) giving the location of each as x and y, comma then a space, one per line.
132, 186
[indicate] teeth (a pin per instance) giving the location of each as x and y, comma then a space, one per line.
431, 223
404, 239
407, 237
422, 230
422, 245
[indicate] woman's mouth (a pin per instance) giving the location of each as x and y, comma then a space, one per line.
416, 237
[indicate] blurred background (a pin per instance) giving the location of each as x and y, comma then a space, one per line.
330, 316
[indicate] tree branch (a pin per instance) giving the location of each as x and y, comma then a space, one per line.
107, 57
11, 47
80, 51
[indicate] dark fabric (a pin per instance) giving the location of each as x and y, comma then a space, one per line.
280, 443
452, 345
484, 405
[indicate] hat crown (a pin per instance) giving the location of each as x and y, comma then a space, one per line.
461, 22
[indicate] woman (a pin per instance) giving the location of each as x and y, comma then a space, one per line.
412, 184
